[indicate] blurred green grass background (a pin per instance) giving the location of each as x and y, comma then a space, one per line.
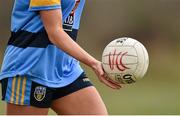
156, 23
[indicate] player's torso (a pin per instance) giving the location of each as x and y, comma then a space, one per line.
29, 50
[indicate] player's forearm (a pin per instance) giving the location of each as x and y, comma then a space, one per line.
63, 41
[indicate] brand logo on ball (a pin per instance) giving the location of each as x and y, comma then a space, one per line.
39, 93
126, 78
121, 40
116, 60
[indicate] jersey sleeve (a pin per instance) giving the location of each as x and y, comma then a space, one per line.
37, 5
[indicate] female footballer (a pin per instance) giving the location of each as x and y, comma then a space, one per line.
41, 67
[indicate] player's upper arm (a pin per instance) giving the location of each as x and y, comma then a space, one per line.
52, 21
50, 13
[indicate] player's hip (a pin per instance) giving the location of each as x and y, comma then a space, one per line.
21, 90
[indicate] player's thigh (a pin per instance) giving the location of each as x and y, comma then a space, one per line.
86, 101
12, 109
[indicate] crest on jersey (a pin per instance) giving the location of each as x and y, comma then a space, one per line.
39, 93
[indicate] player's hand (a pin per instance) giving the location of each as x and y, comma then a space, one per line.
98, 69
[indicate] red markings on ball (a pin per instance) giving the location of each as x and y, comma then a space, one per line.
113, 61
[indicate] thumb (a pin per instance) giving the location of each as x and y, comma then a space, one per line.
101, 71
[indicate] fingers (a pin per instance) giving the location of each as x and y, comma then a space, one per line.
109, 82
109, 79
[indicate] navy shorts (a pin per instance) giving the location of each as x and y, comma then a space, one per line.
20, 90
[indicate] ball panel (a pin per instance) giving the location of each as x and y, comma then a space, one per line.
142, 61
146, 60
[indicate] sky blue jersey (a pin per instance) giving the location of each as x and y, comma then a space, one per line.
29, 51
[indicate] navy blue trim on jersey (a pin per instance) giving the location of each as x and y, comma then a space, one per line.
25, 39
73, 34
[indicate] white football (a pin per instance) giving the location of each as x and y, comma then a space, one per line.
125, 60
